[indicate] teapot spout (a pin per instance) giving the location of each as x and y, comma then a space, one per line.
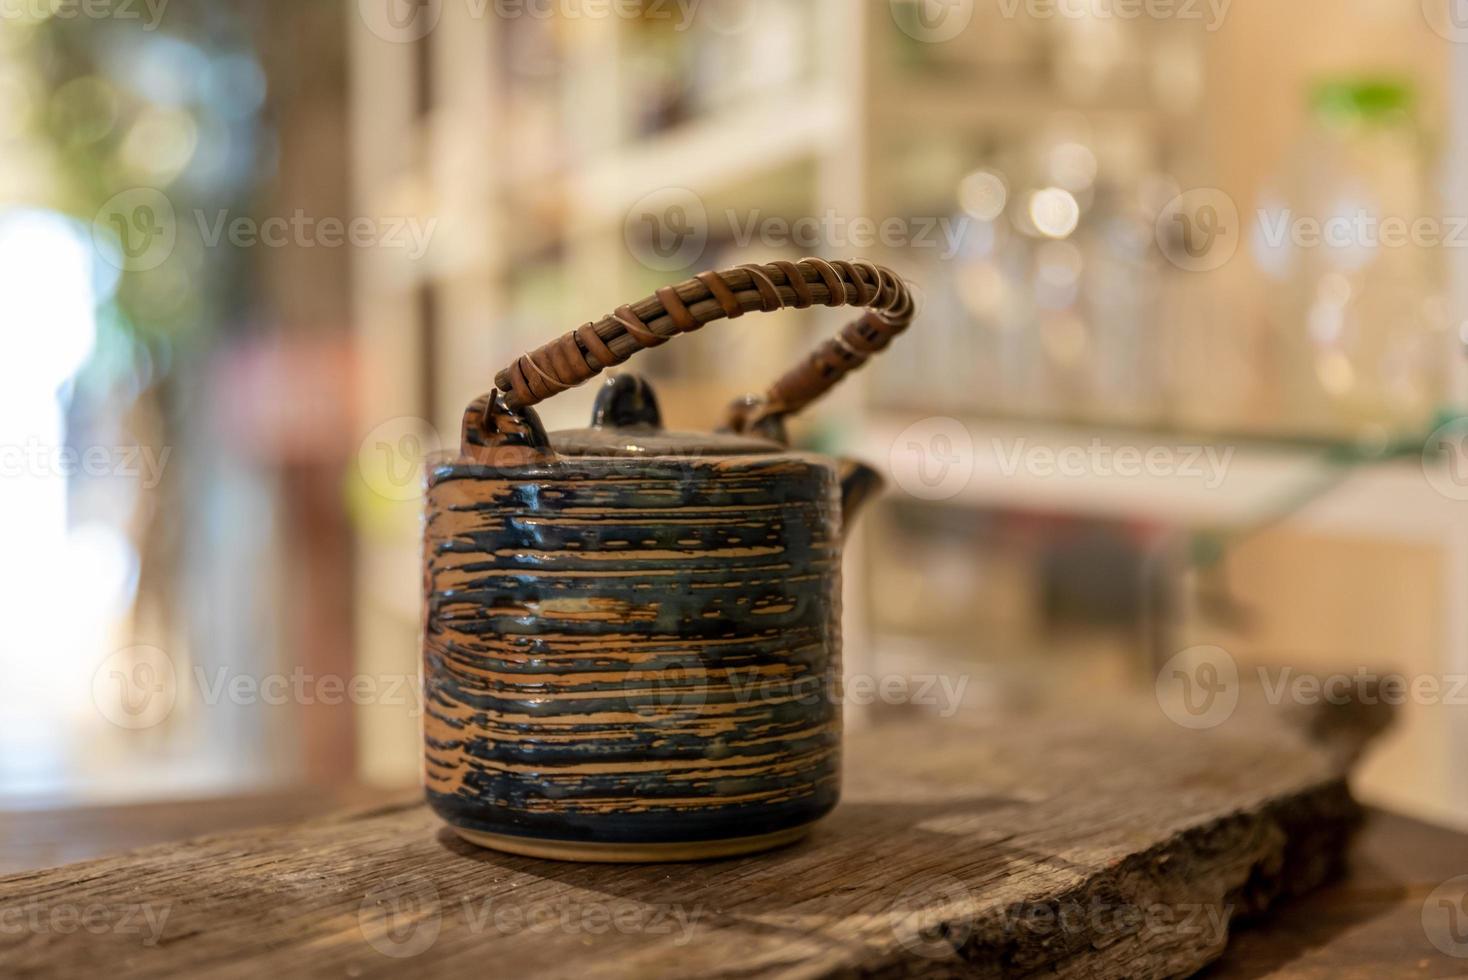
859, 483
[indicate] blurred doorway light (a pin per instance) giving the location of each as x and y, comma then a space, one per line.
48, 299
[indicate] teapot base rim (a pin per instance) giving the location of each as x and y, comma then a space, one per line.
633, 853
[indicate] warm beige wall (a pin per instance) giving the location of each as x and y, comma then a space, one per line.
1262, 62
1329, 605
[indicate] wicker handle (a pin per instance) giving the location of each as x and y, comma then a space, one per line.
583, 353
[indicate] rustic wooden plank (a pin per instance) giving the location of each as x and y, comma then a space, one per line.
1103, 844
44, 838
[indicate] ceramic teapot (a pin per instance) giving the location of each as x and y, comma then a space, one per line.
632, 636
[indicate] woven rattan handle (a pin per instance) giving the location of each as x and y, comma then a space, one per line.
586, 351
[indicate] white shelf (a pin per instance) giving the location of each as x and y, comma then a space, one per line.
925, 105
710, 153
1247, 483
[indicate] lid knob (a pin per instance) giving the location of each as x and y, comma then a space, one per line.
626, 400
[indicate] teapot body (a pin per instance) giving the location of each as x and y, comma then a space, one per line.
632, 658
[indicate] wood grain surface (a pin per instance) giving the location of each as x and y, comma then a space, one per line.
49, 835
1103, 843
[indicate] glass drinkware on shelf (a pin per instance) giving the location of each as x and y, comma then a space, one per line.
1352, 246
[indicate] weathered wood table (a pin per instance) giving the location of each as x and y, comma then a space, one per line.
1095, 845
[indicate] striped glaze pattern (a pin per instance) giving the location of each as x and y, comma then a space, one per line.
636, 650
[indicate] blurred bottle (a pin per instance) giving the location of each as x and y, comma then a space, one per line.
1120, 301
1351, 240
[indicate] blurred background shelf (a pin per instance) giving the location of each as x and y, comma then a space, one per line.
1079, 201
733, 145
1040, 331
1197, 482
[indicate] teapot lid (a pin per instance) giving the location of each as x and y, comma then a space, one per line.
626, 421
645, 440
